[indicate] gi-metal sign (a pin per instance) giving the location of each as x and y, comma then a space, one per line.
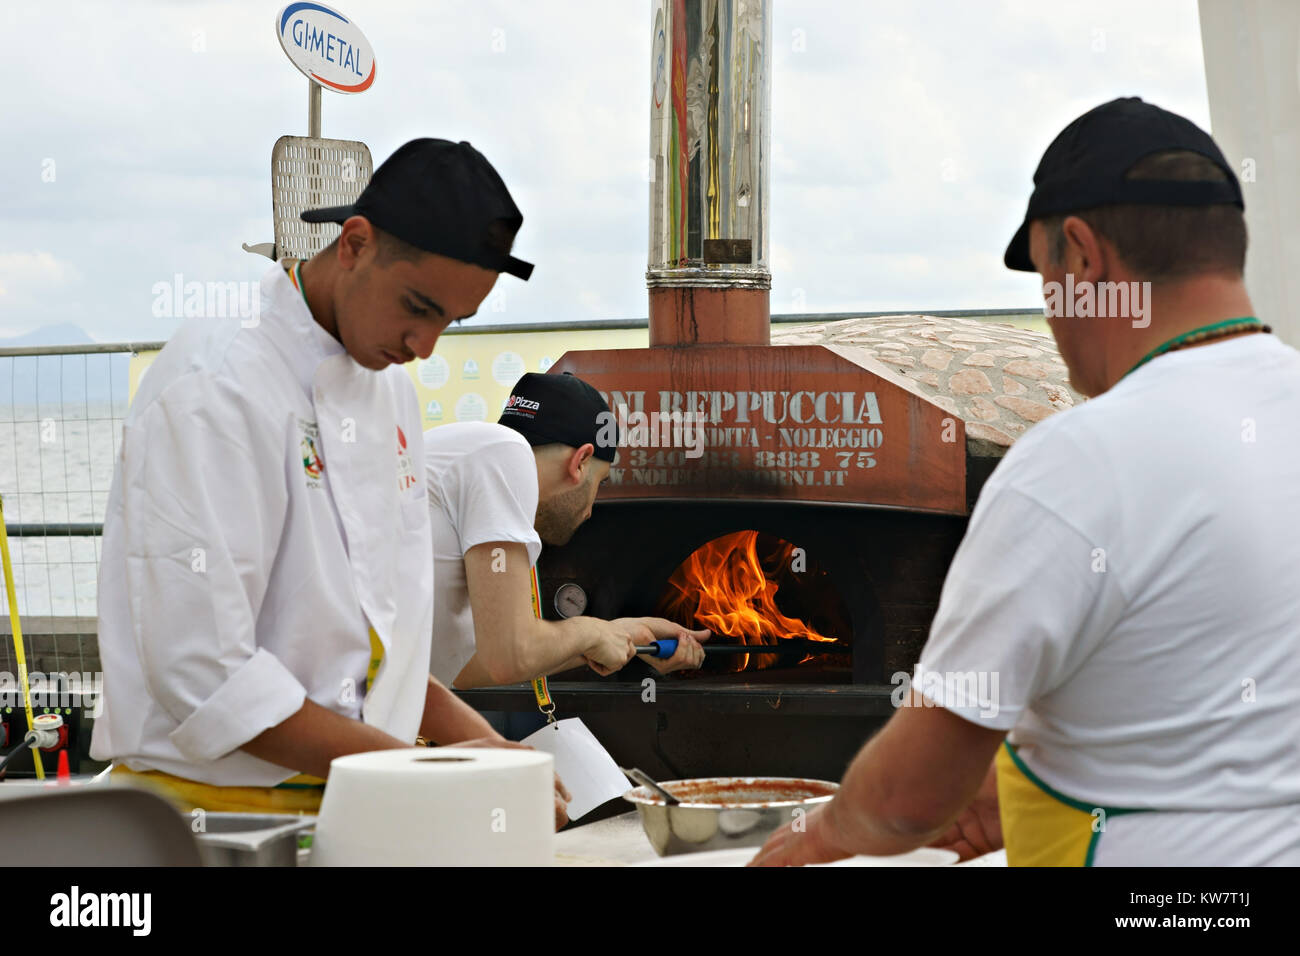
326, 46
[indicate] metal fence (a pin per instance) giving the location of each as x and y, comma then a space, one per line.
60, 435
61, 413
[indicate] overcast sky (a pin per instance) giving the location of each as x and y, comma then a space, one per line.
904, 139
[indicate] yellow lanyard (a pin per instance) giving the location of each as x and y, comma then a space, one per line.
20, 657
376, 658
544, 702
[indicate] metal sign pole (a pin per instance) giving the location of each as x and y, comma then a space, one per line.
313, 109
313, 133
309, 172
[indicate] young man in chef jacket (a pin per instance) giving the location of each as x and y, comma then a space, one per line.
265, 600
496, 493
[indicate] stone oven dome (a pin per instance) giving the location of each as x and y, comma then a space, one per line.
998, 379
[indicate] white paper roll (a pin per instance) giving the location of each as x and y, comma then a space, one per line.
442, 806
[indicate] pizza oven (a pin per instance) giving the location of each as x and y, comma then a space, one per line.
820, 546
799, 493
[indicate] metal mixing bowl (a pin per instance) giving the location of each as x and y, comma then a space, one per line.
718, 813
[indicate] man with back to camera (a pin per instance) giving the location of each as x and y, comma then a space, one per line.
1128, 571
496, 493
265, 600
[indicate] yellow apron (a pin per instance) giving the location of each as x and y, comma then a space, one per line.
300, 794
1042, 826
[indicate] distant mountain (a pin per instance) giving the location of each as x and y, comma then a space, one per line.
60, 379
64, 333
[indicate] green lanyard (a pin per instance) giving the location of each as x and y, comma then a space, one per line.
1214, 330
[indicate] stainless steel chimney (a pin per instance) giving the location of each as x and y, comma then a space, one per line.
710, 118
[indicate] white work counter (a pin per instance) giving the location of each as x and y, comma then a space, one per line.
620, 841
616, 841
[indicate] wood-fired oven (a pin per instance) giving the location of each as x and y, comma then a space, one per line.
830, 476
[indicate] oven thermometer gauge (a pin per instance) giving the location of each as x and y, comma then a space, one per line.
570, 600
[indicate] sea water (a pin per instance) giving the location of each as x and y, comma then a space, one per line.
56, 467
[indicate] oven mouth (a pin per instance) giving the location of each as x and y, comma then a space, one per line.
755, 589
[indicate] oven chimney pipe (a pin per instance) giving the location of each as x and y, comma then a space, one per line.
710, 119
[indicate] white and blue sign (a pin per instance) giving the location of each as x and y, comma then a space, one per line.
326, 46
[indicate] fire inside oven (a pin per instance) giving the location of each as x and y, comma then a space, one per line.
755, 590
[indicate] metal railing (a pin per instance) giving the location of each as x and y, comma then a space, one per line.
60, 436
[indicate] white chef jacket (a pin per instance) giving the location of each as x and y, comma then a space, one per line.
266, 512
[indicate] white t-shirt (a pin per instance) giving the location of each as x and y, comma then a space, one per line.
1131, 574
482, 484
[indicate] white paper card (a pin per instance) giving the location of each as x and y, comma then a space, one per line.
587, 769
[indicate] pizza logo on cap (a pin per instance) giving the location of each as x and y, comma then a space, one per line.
523, 406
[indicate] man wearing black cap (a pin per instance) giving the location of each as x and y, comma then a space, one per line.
496, 493
1124, 576
421, 248
265, 600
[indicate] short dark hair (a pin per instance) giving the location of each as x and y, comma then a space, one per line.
1161, 242
390, 248
500, 239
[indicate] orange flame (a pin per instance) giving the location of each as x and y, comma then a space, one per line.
723, 587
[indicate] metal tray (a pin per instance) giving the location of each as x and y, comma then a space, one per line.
251, 839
